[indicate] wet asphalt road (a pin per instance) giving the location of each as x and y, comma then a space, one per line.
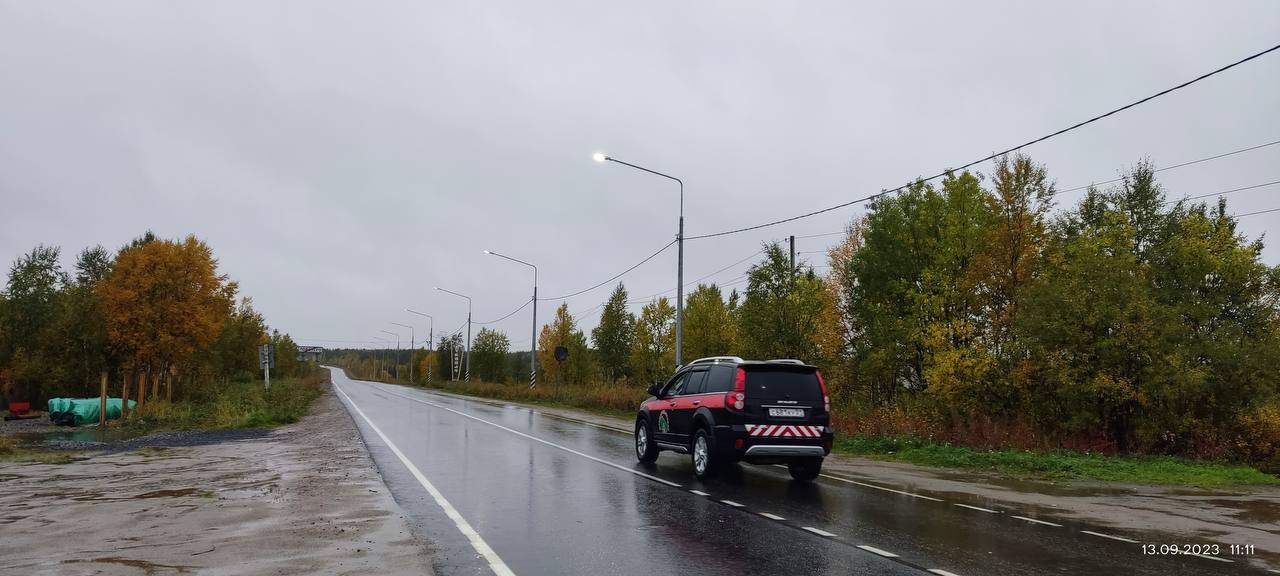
545, 495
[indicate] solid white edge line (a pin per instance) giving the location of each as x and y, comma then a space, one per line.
978, 508
732, 503
922, 496
537, 439
941, 572
772, 516
699, 492
1037, 521
818, 531
1101, 535
874, 550
495, 562
1208, 557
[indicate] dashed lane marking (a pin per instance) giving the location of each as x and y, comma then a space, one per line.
772, 516
537, 439
941, 572
874, 550
1101, 535
699, 492
732, 503
1037, 521
819, 532
980, 509
495, 562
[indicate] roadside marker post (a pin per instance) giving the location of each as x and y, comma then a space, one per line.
102, 405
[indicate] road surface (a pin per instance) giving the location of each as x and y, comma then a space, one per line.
508, 490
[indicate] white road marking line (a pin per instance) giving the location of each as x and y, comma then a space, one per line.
732, 503
1037, 521
772, 516
883, 488
819, 532
874, 550
1206, 556
699, 492
1273, 571
988, 510
1101, 535
495, 562
941, 572
537, 439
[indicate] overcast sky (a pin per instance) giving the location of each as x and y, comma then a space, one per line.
344, 158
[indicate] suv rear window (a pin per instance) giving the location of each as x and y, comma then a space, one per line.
772, 383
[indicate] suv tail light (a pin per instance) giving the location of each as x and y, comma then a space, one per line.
736, 400
826, 400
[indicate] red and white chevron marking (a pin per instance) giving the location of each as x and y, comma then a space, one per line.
784, 431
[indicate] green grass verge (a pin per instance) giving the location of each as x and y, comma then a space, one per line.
10, 451
1057, 464
235, 405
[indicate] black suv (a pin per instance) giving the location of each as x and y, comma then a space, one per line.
726, 409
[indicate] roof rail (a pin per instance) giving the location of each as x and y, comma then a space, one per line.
714, 359
785, 361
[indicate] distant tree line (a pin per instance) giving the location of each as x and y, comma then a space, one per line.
155, 313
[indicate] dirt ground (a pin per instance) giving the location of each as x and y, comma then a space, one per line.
1153, 514
302, 499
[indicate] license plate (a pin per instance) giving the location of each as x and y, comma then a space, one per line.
787, 412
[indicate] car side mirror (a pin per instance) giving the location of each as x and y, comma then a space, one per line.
655, 389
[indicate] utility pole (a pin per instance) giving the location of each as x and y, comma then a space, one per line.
533, 356
431, 335
468, 366
793, 253
412, 348
395, 371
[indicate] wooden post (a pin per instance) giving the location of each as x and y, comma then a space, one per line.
168, 383
142, 389
155, 384
102, 412
124, 394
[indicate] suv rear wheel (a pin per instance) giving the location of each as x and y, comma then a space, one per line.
646, 450
805, 469
704, 460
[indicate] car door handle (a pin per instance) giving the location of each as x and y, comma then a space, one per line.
673, 403
697, 402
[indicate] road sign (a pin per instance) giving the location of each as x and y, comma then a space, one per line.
562, 353
266, 356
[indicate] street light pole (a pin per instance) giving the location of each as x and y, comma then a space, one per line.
467, 378
396, 373
599, 157
533, 356
412, 347
381, 353
431, 335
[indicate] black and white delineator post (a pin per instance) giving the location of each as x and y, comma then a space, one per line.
266, 359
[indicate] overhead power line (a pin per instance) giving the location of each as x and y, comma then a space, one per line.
1196, 161
510, 314
1225, 192
996, 154
620, 274
1256, 213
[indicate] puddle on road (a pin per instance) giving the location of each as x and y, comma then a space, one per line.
1251, 511
86, 435
146, 567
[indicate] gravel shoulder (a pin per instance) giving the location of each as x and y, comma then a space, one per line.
301, 499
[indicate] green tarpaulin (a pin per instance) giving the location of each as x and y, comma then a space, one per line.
79, 411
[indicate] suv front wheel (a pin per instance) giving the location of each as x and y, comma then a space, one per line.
646, 450
704, 460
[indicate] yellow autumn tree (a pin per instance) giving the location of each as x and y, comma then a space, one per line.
163, 301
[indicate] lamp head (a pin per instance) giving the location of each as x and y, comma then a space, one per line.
599, 157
